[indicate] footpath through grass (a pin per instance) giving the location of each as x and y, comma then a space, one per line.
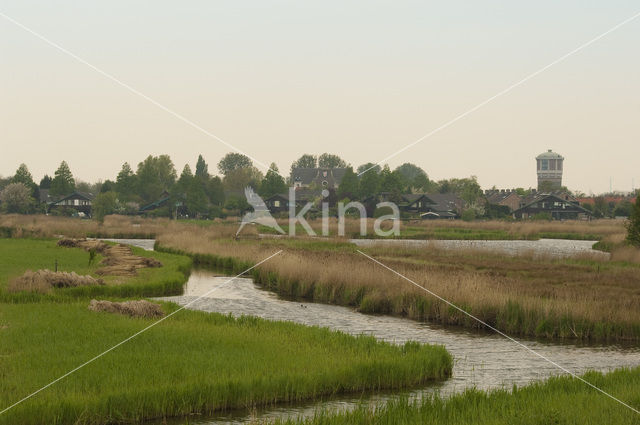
194, 362
557, 401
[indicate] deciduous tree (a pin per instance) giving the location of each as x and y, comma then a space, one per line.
349, 185
155, 175
16, 198
305, 161
369, 167
327, 160
234, 161
104, 204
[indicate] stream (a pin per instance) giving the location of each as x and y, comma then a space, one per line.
481, 359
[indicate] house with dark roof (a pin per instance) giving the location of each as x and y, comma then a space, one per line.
280, 202
322, 178
424, 205
560, 206
507, 198
79, 201
174, 209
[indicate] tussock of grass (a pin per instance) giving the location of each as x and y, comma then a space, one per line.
559, 400
192, 362
44, 280
136, 308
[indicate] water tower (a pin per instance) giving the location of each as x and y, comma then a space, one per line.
549, 167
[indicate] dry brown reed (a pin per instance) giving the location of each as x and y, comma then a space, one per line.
137, 308
115, 226
515, 229
44, 280
573, 290
119, 259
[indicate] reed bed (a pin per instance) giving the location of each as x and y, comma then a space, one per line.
194, 362
115, 226
573, 298
476, 230
559, 400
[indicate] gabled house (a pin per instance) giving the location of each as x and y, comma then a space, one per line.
280, 202
427, 205
559, 206
321, 178
79, 201
507, 198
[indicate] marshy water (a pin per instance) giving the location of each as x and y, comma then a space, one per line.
482, 360
557, 248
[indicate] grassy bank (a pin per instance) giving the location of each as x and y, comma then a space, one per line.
561, 400
579, 298
19, 255
193, 362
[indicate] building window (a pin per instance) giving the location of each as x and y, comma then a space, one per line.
276, 203
545, 164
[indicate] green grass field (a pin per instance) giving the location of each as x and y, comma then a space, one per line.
19, 255
557, 401
192, 362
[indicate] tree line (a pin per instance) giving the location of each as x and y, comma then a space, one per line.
199, 193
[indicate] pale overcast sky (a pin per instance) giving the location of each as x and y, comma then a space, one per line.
360, 79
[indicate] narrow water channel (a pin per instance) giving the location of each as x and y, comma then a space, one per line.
482, 360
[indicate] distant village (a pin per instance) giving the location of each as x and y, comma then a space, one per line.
156, 190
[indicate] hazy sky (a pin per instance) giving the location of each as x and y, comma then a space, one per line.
360, 79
